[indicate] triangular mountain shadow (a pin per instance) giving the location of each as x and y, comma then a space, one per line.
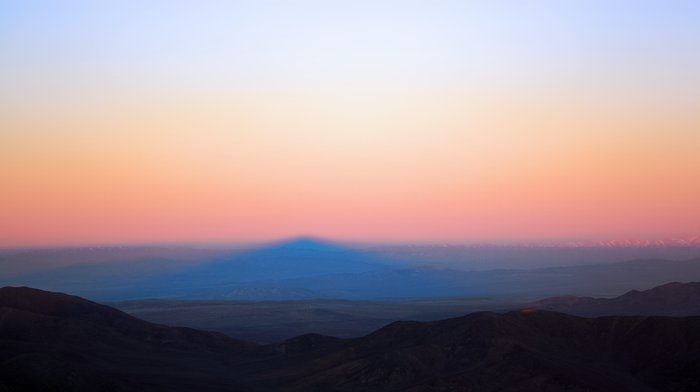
299, 258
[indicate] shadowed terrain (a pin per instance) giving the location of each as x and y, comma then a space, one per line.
273, 321
307, 269
53, 341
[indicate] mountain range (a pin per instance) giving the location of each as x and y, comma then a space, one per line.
53, 341
671, 299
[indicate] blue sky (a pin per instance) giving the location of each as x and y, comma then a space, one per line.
347, 42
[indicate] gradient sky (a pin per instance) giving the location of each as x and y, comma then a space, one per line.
451, 121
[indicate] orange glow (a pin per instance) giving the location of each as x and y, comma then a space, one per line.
435, 166
450, 121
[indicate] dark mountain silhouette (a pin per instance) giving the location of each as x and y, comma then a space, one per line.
53, 341
517, 351
58, 342
671, 299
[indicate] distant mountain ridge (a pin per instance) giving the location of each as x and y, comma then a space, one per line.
692, 241
411, 283
671, 299
311, 269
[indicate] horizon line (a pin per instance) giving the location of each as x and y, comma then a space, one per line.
692, 240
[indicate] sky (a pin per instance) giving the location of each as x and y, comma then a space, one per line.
416, 121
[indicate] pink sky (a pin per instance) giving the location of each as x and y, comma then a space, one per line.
440, 168
429, 121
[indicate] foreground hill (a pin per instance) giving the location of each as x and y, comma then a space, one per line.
58, 342
517, 351
671, 299
52, 341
